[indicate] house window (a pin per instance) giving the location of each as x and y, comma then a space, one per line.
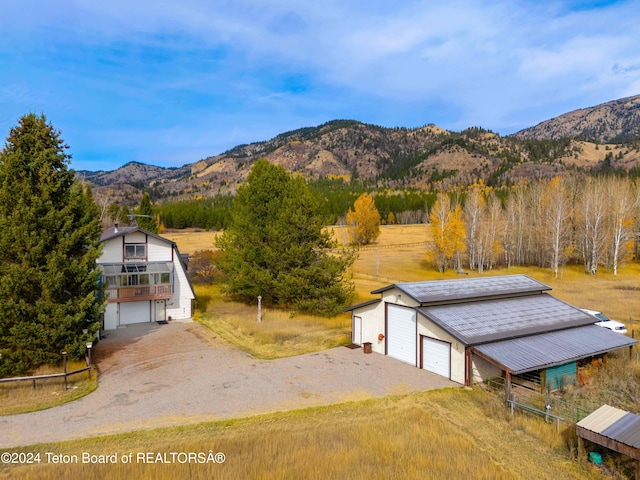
135, 250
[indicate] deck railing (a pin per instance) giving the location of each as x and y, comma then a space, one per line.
138, 292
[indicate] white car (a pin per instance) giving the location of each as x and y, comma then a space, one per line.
605, 322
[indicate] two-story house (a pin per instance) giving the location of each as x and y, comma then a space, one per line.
145, 278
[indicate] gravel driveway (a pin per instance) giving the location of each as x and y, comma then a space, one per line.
161, 375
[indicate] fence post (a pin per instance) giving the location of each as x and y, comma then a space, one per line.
64, 364
89, 346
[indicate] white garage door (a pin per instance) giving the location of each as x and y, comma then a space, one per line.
401, 333
134, 312
436, 356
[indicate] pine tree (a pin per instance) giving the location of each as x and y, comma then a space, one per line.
146, 218
276, 246
49, 243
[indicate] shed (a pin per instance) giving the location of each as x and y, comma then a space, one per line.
614, 429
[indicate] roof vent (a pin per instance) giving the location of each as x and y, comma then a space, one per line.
115, 228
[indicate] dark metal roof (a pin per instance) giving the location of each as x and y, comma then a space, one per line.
545, 350
613, 423
486, 321
364, 304
439, 291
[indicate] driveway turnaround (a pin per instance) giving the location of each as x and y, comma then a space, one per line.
163, 375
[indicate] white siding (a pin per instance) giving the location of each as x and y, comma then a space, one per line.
482, 369
158, 250
372, 324
179, 306
112, 251
135, 237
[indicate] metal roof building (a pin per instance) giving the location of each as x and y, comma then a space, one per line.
613, 428
471, 329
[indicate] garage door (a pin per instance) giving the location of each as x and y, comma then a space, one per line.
401, 334
436, 356
134, 312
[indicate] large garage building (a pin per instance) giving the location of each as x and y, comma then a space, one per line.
468, 329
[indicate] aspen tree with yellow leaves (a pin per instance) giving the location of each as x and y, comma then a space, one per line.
363, 221
448, 232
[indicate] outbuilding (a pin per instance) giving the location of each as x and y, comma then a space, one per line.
472, 328
614, 429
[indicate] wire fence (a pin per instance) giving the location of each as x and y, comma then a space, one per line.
530, 399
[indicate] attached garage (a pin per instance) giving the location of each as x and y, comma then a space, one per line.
134, 312
436, 356
401, 333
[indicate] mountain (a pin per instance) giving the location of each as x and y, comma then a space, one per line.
399, 158
612, 122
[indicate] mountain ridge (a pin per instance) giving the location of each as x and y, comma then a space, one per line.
396, 158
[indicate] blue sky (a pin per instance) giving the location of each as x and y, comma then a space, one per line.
170, 83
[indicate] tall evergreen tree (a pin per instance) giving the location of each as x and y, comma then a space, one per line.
146, 218
49, 243
276, 246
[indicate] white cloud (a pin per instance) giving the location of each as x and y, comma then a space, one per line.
262, 66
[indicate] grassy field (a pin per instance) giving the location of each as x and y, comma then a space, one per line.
401, 254
439, 434
21, 397
278, 335
442, 434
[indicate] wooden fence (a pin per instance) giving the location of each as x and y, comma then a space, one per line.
65, 374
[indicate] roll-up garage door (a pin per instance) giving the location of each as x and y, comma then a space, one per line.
134, 312
401, 333
436, 356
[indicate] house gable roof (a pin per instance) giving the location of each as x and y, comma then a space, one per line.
114, 232
484, 321
467, 289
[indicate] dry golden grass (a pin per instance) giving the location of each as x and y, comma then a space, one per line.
191, 240
438, 434
401, 254
441, 434
21, 397
280, 334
